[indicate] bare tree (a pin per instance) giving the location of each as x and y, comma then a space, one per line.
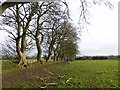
66, 45
20, 19
52, 32
31, 17
84, 8
36, 31
38, 27
61, 31
24, 14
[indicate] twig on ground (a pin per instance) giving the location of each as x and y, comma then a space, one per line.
68, 80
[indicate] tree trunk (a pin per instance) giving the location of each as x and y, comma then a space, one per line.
58, 56
38, 42
23, 60
50, 51
54, 58
18, 50
55, 55
49, 57
39, 50
23, 41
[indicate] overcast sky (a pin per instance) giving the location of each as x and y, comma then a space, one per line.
101, 38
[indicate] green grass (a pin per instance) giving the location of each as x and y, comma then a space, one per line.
89, 74
78, 74
10, 66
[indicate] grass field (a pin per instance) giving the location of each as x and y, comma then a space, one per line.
76, 74
90, 74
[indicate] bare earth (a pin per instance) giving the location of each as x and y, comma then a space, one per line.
40, 74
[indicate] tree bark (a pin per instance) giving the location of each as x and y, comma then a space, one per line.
23, 41
49, 56
23, 61
38, 45
39, 42
18, 37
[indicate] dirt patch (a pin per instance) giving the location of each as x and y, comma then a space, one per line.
39, 76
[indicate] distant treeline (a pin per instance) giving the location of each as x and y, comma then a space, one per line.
77, 58
8, 57
97, 57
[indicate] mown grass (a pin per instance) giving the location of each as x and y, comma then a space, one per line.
80, 74
88, 74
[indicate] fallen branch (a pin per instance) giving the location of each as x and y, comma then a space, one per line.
48, 71
51, 84
68, 80
61, 76
42, 79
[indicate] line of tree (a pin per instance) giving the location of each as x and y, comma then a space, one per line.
97, 57
43, 25
40, 25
